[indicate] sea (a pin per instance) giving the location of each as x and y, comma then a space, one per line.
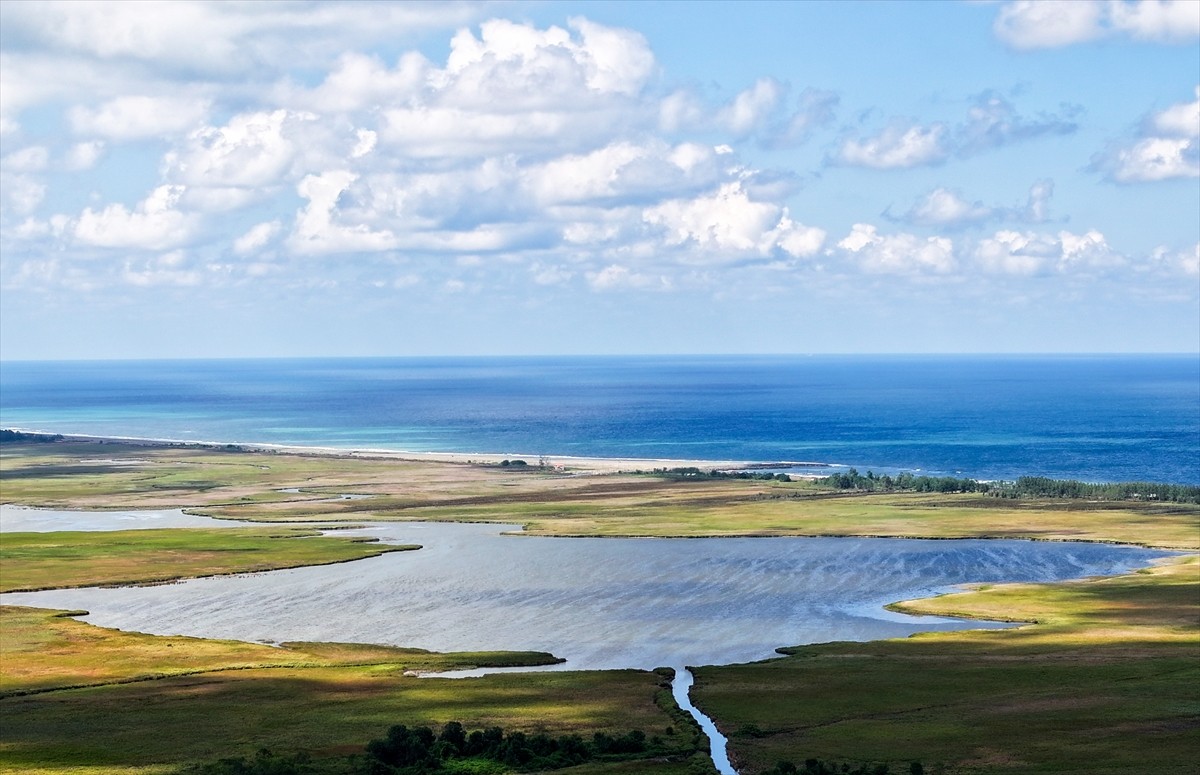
1101, 418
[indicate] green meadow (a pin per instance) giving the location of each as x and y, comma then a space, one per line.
1104, 677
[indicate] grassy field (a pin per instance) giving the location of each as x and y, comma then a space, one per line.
83, 699
260, 487
1107, 681
34, 561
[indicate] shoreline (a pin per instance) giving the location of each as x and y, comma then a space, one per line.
576, 464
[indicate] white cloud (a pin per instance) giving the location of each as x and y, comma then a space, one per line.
1182, 120
252, 150
1184, 261
750, 109
154, 224
1033, 24
1165, 21
1157, 158
1048, 23
83, 156
168, 269
991, 122
1010, 252
360, 81
898, 253
20, 194
138, 117
1037, 208
318, 228
728, 225
898, 146
366, 143
1030, 253
944, 207
256, 238
949, 209
623, 171
218, 37
1168, 147
33, 158
680, 110
616, 277
517, 88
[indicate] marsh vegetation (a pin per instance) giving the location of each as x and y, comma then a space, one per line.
1105, 682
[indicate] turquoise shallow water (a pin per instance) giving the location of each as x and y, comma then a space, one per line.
1102, 418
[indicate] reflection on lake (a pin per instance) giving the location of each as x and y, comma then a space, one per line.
598, 602
19, 519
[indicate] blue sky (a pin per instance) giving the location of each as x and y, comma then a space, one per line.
212, 179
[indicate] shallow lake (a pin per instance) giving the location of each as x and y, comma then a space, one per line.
600, 603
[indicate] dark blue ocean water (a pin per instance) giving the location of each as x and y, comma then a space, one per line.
1097, 418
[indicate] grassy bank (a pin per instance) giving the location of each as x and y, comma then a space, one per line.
34, 561
1107, 681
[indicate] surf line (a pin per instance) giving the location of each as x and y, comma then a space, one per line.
717, 742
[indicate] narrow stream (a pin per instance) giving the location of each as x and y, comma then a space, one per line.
717, 742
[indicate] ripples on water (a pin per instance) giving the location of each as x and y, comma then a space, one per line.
600, 603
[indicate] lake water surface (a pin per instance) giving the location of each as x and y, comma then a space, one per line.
599, 603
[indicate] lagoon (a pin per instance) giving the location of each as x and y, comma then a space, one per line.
600, 603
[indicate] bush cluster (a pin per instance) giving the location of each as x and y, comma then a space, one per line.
419, 750
818, 767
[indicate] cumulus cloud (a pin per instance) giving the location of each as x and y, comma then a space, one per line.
1031, 253
624, 172
252, 150
727, 225
154, 224
1166, 146
899, 146
1034, 24
897, 253
516, 88
1186, 262
319, 229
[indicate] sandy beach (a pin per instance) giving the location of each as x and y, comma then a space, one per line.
569, 463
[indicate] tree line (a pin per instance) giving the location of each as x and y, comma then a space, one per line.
421, 751
1022, 487
692, 472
